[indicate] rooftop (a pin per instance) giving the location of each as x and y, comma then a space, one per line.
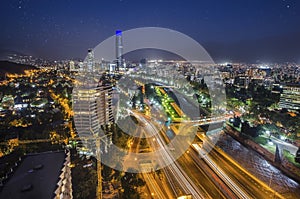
36, 177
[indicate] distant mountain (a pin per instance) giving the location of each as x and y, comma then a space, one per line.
10, 67
5, 53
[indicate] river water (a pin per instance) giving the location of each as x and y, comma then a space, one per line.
258, 166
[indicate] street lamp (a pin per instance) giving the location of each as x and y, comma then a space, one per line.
270, 143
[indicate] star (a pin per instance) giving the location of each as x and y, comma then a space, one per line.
20, 4
288, 6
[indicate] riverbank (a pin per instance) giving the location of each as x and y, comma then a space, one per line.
286, 167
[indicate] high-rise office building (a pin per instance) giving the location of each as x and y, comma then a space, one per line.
290, 97
89, 65
92, 106
72, 66
105, 104
92, 101
119, 49
85, 106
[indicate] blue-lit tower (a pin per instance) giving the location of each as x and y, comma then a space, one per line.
119, 49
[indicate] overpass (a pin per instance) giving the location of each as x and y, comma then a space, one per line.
203, 121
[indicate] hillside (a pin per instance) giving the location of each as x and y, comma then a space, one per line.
10, 67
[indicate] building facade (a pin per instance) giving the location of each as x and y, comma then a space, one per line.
64, 184
290, 97
92, 101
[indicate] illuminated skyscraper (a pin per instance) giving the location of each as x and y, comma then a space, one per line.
119, 49
85, 106
92, 106
72, 66
92, 101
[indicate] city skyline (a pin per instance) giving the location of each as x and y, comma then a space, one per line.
150, 99
253, 31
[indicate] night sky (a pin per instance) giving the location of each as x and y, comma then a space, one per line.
233, 30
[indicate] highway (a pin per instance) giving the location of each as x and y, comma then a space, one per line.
181, 179
188, 182
157, 188
187, 186
232, 185
153, 186
239, 182
203, 176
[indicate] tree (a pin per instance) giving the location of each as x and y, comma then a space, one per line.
237, 122
248, 130
106, 173
130, 182
297, 158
